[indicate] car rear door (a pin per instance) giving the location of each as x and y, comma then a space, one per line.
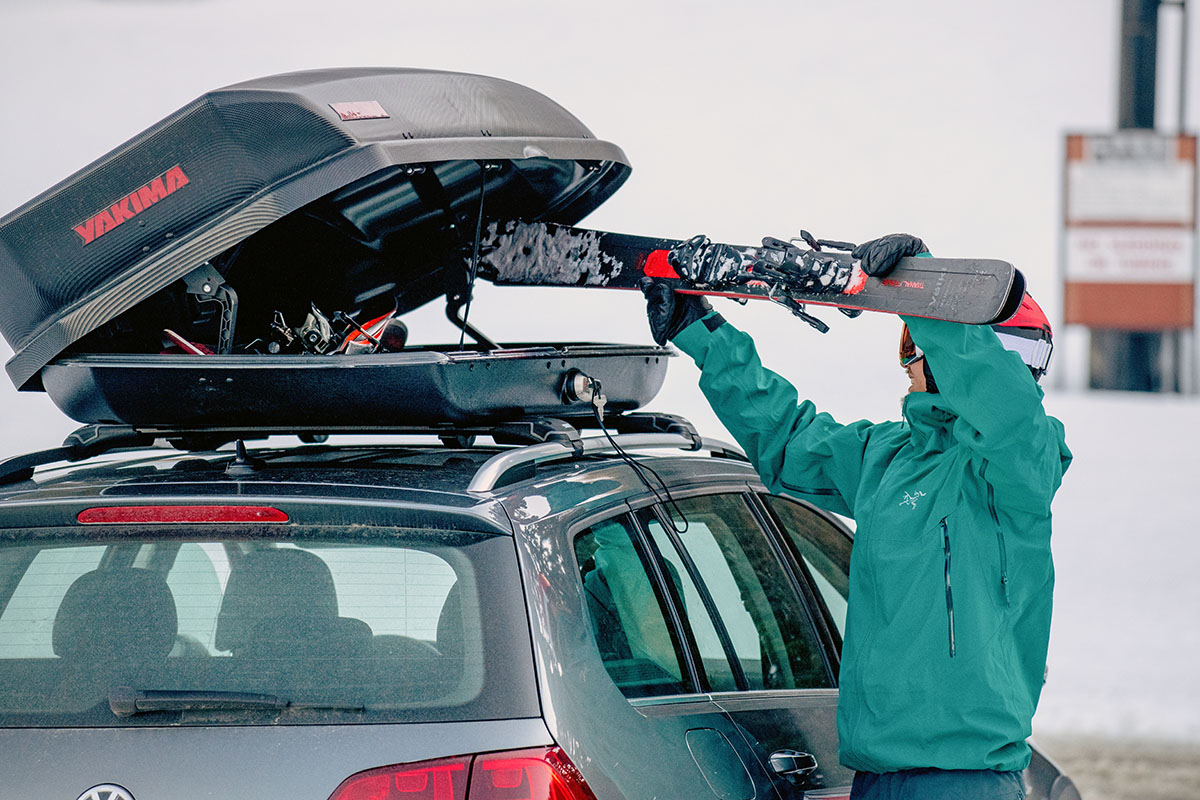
620, 691
765, 644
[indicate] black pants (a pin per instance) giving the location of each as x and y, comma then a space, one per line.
938, 784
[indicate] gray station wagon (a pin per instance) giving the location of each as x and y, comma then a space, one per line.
421, 620
292, 555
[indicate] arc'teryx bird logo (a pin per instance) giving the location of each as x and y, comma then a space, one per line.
131, 205
910, 499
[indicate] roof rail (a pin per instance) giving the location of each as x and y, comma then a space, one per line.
492, 472
88, 441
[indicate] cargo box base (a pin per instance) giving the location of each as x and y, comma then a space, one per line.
415, 387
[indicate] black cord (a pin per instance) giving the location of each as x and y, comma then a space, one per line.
462, 336
638, 468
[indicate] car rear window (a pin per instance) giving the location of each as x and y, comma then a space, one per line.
191, 625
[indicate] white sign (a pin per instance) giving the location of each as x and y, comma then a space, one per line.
1129, 255
1117, 192
1131, 178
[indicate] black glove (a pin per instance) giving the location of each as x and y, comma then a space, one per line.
880, 256
670, 311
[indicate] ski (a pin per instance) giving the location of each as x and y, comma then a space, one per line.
967, 290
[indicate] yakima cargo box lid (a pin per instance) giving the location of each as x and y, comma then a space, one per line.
346, 184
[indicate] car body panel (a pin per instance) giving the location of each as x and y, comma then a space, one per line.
603, 733
253, 761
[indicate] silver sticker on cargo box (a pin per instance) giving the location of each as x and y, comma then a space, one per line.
361, 109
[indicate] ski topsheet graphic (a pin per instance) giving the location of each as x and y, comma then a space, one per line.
968, 290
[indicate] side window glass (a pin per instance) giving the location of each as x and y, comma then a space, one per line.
825, 550
764, 619
714, 658
627, 615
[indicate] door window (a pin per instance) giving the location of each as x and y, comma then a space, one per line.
825, 550
628, 615
761, 623
711, 643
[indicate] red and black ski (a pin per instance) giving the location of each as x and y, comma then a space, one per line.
968, 290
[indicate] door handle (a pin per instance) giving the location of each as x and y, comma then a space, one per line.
792, 763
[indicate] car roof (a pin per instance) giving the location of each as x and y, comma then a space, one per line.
441, 479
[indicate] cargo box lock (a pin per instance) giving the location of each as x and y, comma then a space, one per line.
316, 334
579, 387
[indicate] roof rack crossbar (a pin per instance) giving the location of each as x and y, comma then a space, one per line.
84, 443
492, 472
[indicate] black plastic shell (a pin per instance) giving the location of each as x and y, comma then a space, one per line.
273, 174
411, 387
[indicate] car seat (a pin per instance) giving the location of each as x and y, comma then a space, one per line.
279, 619
114, 626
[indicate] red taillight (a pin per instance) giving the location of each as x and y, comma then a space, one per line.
442, 779
179, 514
540, 773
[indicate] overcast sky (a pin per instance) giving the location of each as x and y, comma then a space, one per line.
850, 119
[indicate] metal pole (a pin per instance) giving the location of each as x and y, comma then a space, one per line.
1139, 54
1123, 359
1183, 62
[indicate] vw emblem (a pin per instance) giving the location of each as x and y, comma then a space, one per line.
106, 791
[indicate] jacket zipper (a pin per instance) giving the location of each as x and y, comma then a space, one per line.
999, 537
949, 593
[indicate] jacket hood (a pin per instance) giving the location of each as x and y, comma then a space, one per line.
932, 422
930, 418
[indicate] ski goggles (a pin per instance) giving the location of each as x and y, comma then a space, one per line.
1032, 345
909, 352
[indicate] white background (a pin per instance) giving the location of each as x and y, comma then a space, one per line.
850, 119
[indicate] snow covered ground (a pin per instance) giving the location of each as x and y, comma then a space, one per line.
1125, 645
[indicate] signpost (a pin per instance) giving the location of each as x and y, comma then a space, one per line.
1129, 220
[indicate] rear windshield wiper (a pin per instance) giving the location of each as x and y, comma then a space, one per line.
125, 701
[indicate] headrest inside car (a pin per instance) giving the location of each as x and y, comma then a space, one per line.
279, 586
124, 613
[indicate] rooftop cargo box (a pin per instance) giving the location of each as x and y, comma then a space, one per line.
358, 190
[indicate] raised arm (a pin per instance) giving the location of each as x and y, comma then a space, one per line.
990, 389
999, 409
794, 448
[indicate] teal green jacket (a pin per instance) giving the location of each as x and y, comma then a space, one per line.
951, 579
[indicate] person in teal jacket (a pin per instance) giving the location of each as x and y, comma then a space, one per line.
951, 577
